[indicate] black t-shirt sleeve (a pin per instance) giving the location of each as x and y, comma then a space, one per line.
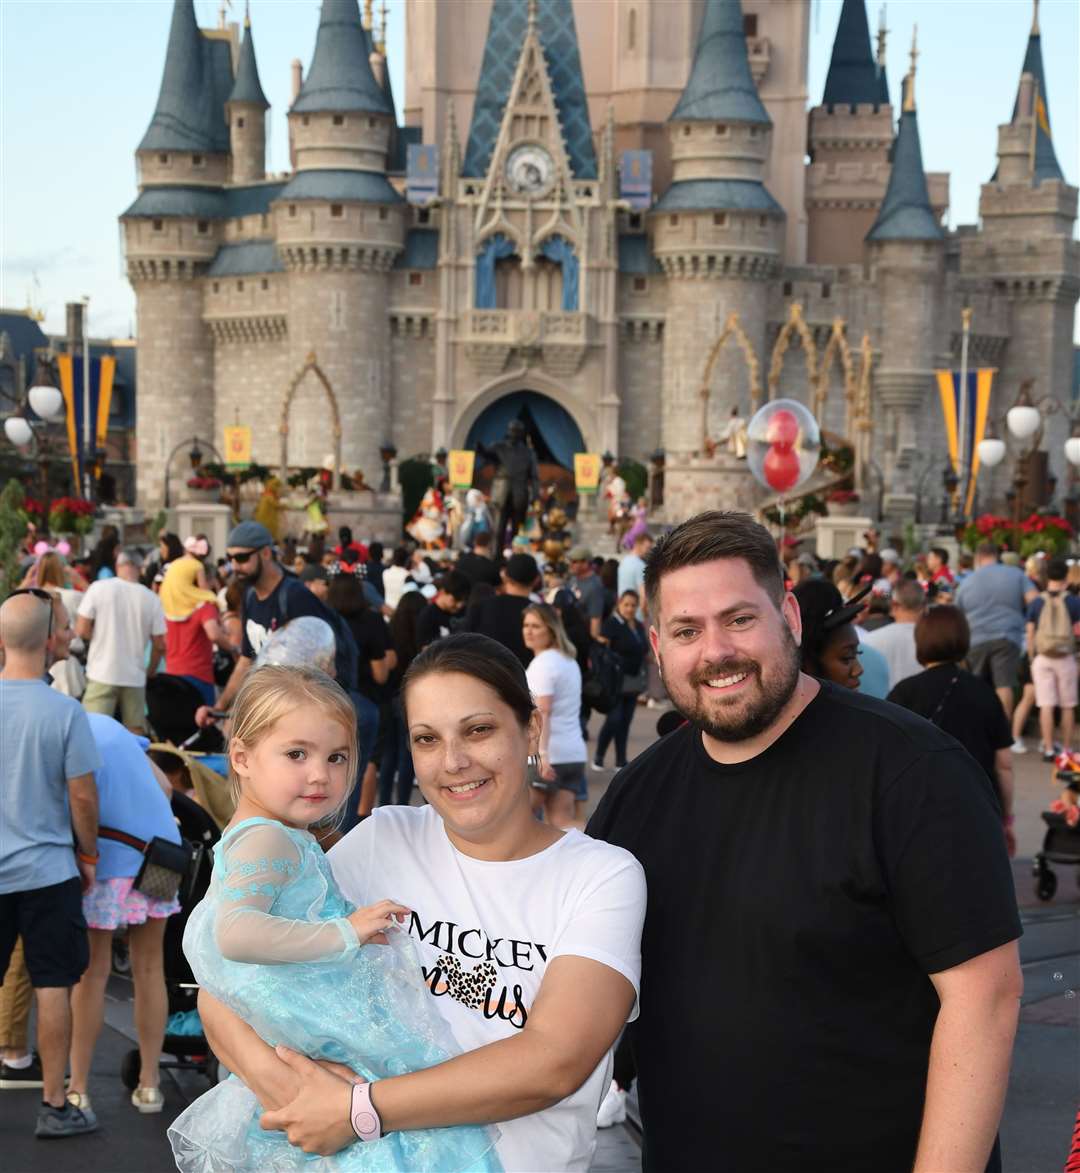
942, 849
427, 626
376, 639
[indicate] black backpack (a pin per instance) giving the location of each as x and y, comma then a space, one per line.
346, 653
602, 687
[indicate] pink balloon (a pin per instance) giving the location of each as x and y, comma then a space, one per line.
781, 467
783, 429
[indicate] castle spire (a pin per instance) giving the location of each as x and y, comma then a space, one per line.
340, 76
187, 117
721, 88
247, 87
1046, 165
557, 33
854, 78
883, 79
905, 211
1035, 19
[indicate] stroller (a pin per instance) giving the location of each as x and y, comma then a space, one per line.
183, 1051
171, 702
1061, 843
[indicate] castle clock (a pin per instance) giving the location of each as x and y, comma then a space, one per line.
529, 170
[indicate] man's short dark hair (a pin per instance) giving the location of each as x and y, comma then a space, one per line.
941, 553
455, 584
942, 636
482, 540
1057, 570
712, 535
987, 549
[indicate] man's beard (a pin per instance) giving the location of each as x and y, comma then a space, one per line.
748, 716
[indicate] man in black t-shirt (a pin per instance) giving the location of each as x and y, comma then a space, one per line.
830, 978
436, 619
499, 616
478, 565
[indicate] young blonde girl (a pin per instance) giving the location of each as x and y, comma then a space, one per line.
276, 941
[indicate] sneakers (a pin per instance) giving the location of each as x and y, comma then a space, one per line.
613, 1108
599, 767
80, 1100
147, 1100
56, 1123
1048, 755
14, 1078
1018, 746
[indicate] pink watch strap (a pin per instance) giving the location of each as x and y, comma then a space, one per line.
362, 1114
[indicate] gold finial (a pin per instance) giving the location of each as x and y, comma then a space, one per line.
247, 14
532, 16
1035, 20
367, 14
882, 32
909, 88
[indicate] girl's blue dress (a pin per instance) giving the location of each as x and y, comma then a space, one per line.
270, 940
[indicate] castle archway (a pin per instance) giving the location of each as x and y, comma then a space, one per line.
311, 367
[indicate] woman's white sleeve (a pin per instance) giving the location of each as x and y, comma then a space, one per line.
260, 861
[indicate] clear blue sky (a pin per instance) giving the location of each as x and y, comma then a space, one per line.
78, 82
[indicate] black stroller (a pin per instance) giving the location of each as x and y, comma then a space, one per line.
184, 1052
1061, 843
171, 702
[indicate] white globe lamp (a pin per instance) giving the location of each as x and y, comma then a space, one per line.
18, 431
46, 401
1022, 420
991, 451
1072, 450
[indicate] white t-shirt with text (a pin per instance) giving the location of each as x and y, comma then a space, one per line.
486, 932
125, 614
558, 676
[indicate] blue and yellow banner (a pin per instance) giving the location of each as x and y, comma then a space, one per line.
102, 374
979, 385
421, 173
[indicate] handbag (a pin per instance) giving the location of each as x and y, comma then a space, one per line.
165, 865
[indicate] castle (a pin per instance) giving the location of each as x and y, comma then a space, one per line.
334, 316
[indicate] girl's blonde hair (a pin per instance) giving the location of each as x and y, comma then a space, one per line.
550, 618
273, 690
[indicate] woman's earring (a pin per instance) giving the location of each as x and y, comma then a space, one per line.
533, 761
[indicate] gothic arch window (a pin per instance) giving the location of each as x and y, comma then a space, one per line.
509, 283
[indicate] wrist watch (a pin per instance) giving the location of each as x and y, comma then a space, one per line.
363, 1115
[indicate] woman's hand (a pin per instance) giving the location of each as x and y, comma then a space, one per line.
372, 922
317, 1119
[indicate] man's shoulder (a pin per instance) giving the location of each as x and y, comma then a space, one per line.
48, 704
888, 731
590, 858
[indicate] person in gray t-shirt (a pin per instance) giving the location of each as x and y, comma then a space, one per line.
587, 588
47, 791
994, 600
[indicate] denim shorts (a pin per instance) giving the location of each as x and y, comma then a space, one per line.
571, 776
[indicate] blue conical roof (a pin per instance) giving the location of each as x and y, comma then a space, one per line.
248, 88
190, 115
721, 87
558, 39
1046, 162
340, 77
853, 78
905, 212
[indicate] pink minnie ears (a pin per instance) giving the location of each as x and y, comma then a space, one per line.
61, 547
197, 546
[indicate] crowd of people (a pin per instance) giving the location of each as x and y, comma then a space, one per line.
445, 755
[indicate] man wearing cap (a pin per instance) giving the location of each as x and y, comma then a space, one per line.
117, 618
271, 600
499, 616
587, 588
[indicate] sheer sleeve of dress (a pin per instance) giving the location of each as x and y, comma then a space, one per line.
259, 861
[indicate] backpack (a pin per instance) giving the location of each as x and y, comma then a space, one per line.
602, 688
1054, 631
346, 653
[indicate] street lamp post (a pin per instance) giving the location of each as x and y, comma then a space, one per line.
195, 458
47, 403
85, 464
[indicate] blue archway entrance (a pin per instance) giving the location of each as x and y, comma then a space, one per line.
551, 429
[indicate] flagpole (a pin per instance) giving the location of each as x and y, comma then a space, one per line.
965, 408
85, 464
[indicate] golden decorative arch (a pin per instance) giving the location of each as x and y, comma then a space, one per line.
311, 364
794, 325
837, 345
863, 415
732, 329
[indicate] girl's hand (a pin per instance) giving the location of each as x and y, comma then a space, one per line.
372, 922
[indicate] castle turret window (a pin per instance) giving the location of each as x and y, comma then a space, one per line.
720, 219
239, 124
673, 221
416, 278
423, 216
216, 286
157, 225
305, 119
339, 119
749, 24
292, 211
239, 287
337, 211
202, 227
826, 291
163, 159
721, 129
641, 285
631, 30
264, 283
197, 161
383, 213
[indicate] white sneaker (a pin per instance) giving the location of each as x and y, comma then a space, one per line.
1018, 746
613, 1109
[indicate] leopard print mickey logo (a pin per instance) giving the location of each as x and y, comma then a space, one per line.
467, 986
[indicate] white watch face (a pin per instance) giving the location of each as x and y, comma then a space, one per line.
529, 169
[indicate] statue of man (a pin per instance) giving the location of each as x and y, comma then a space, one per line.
517, 480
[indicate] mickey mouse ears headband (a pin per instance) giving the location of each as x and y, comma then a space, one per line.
43, 548
847, 611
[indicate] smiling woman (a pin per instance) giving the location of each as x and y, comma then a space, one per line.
527, 938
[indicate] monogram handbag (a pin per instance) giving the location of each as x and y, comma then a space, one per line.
165, 864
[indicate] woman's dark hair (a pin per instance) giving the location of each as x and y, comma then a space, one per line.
871, 566
942, 635
629, 591
609, 575
481, 658
816, 599
710, 536
345, 594
574, 623
403, 627
375, 552
173, 548
401, 557
104, 553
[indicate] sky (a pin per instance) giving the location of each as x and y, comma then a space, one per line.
79, 80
